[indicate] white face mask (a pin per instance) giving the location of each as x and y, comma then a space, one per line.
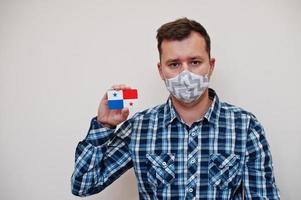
187, 86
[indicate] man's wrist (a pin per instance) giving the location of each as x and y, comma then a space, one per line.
106, 124
98, 134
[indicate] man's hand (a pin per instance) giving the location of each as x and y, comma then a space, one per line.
111, 118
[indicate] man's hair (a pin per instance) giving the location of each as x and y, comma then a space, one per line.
181, 29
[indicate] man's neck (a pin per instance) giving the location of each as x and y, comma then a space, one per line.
194, 111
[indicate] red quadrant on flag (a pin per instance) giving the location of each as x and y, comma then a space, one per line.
130, 94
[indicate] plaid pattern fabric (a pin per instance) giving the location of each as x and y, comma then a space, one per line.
215, 158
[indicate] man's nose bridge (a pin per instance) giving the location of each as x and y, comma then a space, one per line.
185, 66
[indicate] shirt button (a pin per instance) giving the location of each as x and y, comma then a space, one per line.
164, 164
193, 134
190, 190
192, 161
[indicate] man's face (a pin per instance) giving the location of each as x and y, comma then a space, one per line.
189, 54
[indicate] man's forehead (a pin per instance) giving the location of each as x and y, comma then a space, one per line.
192, 46
184, 53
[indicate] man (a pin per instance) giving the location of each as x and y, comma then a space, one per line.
192, 147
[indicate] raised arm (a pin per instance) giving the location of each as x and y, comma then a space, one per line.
103, 155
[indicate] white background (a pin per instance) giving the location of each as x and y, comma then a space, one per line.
57, 58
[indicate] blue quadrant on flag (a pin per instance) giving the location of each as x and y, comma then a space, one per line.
119, 99
115, 104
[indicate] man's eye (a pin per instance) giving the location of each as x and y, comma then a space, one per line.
195, 63
174, 65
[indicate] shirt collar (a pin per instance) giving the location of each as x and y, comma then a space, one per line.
170, 114
213, 112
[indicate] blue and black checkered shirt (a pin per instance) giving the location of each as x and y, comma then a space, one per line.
222, 156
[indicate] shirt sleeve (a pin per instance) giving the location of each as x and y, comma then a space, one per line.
259, 180
101, 158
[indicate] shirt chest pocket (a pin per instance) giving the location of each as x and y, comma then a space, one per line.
160, 169
224, 170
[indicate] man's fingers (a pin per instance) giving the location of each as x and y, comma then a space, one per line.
125, 112
120, 87
105, 96
124, 87
105, 102
117, 87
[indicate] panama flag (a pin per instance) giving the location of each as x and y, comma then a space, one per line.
118, 99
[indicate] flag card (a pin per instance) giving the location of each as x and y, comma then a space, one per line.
119, 99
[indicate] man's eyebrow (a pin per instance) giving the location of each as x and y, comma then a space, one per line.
190, 58
172, 60
195, 57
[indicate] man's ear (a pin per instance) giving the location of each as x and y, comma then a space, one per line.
160, 70
212, 65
